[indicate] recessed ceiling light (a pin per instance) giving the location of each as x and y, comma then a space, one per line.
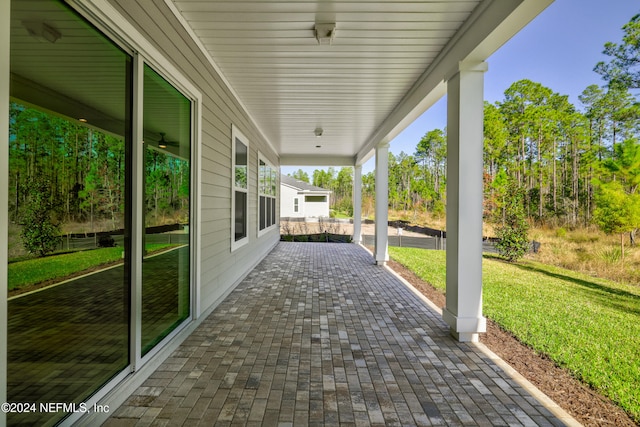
83, 120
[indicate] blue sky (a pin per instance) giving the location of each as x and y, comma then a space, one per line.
558, 49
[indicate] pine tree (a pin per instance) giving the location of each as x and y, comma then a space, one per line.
624, 65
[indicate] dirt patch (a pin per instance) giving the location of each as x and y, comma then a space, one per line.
584, 404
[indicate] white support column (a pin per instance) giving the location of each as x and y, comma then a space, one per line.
5, 35
465, 104
357, 204
381, 253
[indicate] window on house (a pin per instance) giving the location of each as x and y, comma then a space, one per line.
239, 202
315, 199
267, 189
274, 192
296, 206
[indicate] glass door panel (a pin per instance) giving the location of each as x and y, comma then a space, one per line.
69, 180
167, 158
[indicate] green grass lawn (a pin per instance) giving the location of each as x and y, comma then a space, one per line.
589, 326
30, 272
340, 215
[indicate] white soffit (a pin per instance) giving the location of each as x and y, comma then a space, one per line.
384, 64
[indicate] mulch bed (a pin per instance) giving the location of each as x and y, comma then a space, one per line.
584, 404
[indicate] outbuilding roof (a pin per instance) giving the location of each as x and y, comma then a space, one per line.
301, 185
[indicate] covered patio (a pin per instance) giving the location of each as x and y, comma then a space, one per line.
317, 334
221, 94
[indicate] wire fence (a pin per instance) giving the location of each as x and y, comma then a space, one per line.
427, 242
75, 242
172, 234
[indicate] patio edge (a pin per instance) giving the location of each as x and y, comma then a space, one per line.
545, 400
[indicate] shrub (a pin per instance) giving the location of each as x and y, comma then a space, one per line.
106, 241
439, 209
611, 255
513, 241
40, 235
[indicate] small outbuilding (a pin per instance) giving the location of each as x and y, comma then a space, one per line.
299, 199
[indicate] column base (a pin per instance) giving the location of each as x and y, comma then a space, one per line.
381, 258
464, 329
465, 336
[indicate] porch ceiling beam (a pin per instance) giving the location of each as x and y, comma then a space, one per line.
33, 93
491, 25
316, 160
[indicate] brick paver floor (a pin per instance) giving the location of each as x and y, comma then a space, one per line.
319, 335
66, 341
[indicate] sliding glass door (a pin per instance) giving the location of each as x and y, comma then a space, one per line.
69, 209
71, 188
167, 153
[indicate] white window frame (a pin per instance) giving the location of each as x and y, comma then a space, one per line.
236, 134
274, 197
5, 43
296, 205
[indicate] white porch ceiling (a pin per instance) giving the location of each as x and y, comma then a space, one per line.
386, 65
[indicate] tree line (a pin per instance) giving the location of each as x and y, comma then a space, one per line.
574, 165
563, 158
66, 175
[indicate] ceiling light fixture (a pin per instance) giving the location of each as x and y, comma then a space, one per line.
325, 33
162, 143
318, 132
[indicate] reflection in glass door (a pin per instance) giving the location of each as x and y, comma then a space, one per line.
167, 161
69, 228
